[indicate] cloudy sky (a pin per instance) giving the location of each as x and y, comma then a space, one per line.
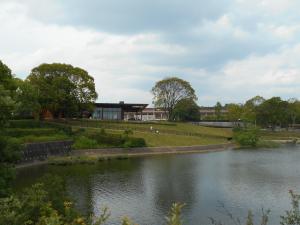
229, 50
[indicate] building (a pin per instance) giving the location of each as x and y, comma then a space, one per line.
210, 112
117, 111
154, 114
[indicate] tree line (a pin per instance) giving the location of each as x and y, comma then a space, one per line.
59, 89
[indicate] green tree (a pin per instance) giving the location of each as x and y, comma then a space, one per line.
218, 110
6, 78
186, 110
250, 109
27, 100
9, 148
7, 105
235, 112
273, 112
294, 110
64, 90
169, 91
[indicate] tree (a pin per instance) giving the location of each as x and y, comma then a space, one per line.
6, 78
7, 106
186, 110
250, 109
218, 110
27, 100
64, 90
273, 112
235, 112
169, 91
294, 110
9, 148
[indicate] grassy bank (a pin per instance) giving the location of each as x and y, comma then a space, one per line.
88, 133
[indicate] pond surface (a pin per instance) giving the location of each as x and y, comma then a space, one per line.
145, 188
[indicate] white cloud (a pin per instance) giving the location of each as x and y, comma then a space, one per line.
111, 59
251, 50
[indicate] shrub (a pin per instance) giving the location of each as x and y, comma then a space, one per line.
247, 137
85, 143
132, 142
108, 139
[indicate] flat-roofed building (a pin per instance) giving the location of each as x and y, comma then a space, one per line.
207, 112
117, 111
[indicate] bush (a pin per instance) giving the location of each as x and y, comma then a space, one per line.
132, 142
117, 140
247, 137
85, 143
108, 139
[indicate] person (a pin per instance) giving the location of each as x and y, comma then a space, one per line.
151, 128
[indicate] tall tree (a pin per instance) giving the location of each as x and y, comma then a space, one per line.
28, 105
9, 148
250, 109
273, 112
6, 78
186, 110
235, 112
218, 110
63, 89
294, 110
169, 91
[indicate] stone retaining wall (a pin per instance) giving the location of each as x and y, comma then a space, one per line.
42, 150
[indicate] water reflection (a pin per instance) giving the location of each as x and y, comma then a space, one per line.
144, 188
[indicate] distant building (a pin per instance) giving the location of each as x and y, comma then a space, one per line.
210, 112
154, 114
117, 111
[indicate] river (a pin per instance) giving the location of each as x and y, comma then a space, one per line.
144, 188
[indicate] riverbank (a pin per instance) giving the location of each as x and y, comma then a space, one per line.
94, 155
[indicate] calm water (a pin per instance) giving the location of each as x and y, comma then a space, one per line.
144, 188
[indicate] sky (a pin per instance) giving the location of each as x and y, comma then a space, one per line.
229, 50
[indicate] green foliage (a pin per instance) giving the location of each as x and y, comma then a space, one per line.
64, 90
246, 137
235, 112
45, 203
174, 217
19, 132
6, 78
27, 98
9, 154
186, 110
218, 110
27, 124
292, 216
169, 91
7, 105
83, 142
133, 142
117, 140
273, 112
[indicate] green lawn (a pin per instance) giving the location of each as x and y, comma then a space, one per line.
185, 129
280, 135
170, 134
156, 140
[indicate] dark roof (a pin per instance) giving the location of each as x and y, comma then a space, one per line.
127, 107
